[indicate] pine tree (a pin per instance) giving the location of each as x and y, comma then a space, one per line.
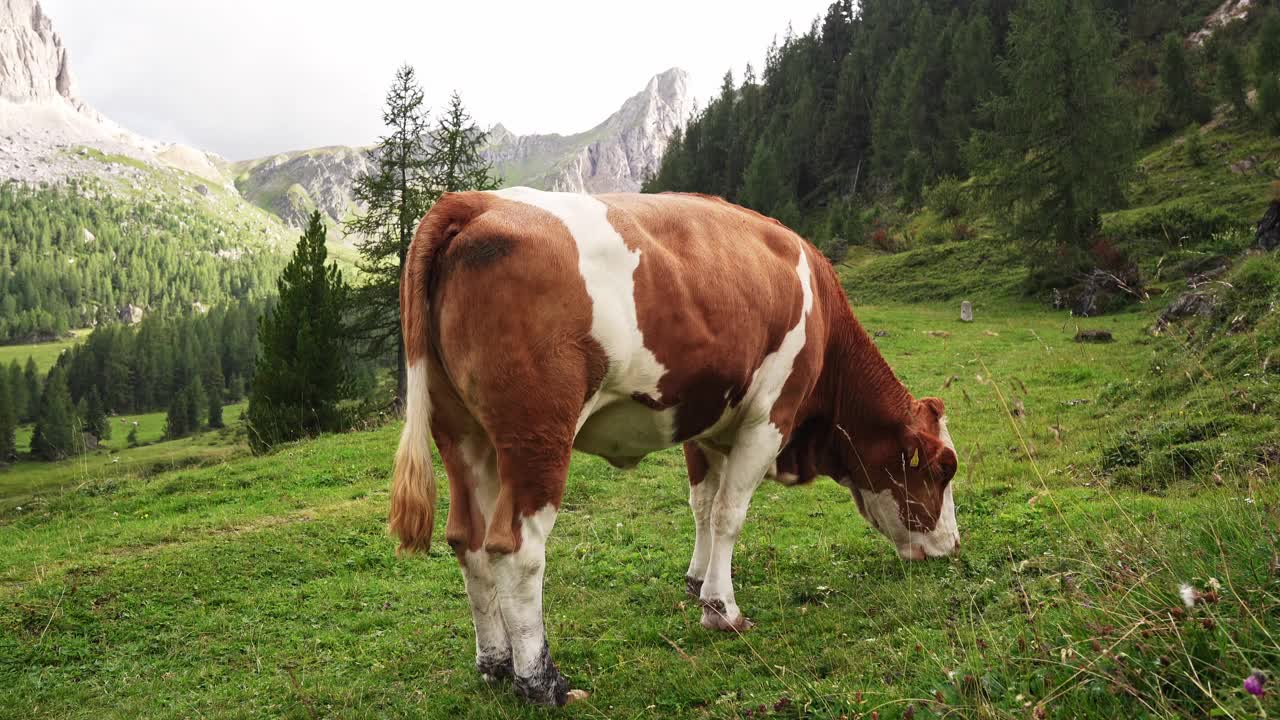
132, 438
454, 163
215, 408
8, 420
95, 417
1063, 140
1180, 102
301, 373
177, 421
1266, 61
55, 431
397, 193
197, 404
1231, 81
17, 391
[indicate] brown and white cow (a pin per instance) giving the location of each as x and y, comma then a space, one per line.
536, 323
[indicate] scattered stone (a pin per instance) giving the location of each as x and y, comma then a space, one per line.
966, 311
1073, 403
1094, 336
131, 314
1242, 167
1269, 228
203, 190
937, 333
882, 333
1187, 305
88, 236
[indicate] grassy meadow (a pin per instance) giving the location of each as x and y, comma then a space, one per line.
266, 587
45, 354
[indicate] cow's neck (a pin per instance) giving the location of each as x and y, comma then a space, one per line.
861, 388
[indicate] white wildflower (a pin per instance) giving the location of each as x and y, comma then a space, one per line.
1188, 595
1214, 584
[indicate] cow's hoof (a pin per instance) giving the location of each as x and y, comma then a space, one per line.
495, 669
546, 686
576, 696
693, 587
714, 617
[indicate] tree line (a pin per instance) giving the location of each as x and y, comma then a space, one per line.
189, 366
1036, 107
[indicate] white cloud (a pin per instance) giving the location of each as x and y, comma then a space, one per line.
251, 77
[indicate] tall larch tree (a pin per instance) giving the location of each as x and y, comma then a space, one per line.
455, 163
396, 193
54, 437
1063, 140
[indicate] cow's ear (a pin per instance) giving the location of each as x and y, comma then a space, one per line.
935, 406
923, 450
942, 462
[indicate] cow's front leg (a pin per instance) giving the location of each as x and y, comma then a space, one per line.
753, 452
705, 468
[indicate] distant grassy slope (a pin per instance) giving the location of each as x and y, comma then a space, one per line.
45, 354
115, 461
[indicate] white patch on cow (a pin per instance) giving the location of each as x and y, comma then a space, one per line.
881, 509
519, 584
701, 498
492, 644
769, 379
611, 423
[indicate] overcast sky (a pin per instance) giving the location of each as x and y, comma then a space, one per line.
247, 78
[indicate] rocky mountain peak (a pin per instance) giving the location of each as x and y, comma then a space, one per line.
33, 61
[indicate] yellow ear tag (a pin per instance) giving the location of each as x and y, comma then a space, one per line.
915, 458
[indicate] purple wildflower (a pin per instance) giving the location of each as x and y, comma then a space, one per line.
1253, 684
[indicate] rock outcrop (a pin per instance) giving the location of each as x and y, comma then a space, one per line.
293, 184
614, 156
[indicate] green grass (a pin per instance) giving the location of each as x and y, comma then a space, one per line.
266, 586
45, 353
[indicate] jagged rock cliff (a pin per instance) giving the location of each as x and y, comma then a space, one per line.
614, 156
42, 118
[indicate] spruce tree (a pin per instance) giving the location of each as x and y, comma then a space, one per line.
1231, 81
1266, 60
302, 373
33, 390
1062, 144
1180, 102
396, 194
55, 430
8, 420
17, 390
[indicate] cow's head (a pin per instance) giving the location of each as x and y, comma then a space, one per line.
902, 483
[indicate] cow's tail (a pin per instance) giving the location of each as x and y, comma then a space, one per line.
413, 488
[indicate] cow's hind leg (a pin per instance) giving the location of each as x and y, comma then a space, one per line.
473, 490
533, 480
754, 451
705, 468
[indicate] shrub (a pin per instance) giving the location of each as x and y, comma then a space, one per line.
835, 249
1193, 146
1173, 221
947, 197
